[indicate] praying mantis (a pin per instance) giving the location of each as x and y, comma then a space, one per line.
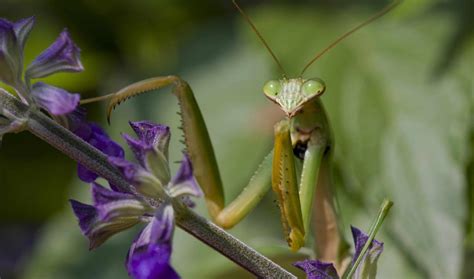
302, 150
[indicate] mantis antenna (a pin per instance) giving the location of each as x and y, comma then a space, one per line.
345, 35
247, 18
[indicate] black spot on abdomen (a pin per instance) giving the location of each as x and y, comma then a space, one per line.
300, 149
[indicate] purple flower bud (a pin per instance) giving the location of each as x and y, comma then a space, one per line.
61, 56
150, 148
55, 100
153, 135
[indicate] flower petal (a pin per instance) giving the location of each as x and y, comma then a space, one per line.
61, 56
157, 164
162, 225
96, 230
152, 263
184, 182
155, 135
150, 253
159, 230
368, 266
96, 136
143, 181
138, 147
85, 174
127, 168
10, 54
55, 100
113, 205
76, 122
316, 269
85, 213
22, 29
100, 140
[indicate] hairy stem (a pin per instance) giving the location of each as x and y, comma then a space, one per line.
201, 228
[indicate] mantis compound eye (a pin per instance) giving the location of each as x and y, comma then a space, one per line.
313, 87
272, 88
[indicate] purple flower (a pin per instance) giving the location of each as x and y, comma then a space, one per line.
62, 56
113, 211
150, 253
12, 40
55, 100
367, 268
368, 265
152, 174
97, 137
316, 269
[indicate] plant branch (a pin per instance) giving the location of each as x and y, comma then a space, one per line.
85, 154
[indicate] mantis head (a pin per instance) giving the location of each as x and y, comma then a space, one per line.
292, 94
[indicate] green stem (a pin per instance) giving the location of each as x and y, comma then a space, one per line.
80, 151
384, 209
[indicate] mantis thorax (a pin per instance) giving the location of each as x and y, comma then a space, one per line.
292, 94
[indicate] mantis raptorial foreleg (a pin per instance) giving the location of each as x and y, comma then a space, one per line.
284, 185
200, 150
196, 137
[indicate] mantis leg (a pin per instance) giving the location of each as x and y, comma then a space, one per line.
196, 137
285, 186
199, 148
256, 189
316, 188
309, 175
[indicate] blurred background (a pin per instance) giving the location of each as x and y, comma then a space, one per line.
399, 96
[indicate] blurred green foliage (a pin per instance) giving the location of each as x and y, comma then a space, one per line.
400, 99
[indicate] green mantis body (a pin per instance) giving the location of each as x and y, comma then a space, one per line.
298, 168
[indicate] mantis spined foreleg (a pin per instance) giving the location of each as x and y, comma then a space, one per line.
303, 135
199, 148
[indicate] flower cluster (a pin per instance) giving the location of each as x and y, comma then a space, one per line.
147, 201
367, 268
152, 189
61, 56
